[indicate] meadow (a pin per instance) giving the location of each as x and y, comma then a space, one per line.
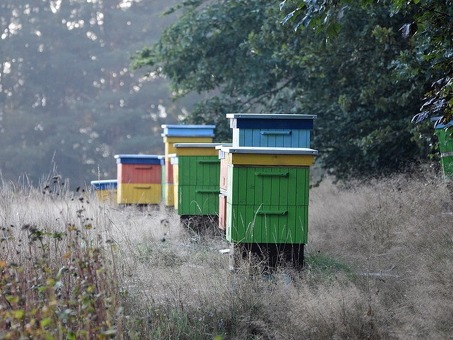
379, 265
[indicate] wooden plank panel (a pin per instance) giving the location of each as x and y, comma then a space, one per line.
198, 200
139, 193
222, 211
289, 138
278, 121
270, 159
139, 173
302, 184
195, 170
170, 141
185, 151
229, 223
168, 172
267, 224
223, 174
209, 173
169, 195
268, 185
301, 224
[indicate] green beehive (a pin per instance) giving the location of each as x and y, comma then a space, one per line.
444, 133
267, 199
196, 178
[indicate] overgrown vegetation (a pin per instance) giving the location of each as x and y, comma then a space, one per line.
378, 265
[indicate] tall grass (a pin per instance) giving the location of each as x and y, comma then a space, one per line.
379, 265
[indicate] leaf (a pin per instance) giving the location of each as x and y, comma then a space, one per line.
333, 29
46, 322
18, 314
12, 299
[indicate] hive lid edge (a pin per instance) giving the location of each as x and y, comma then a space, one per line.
271, 150
270, 116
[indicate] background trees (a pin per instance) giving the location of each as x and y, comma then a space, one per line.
365, 68
428, 25
67, 94
350, 72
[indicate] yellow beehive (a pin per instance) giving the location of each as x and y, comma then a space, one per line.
139, 193
181, 134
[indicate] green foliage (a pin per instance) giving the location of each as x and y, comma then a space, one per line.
429, 26
243, 59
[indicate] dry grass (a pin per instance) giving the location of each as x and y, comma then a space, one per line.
397, 233
379, 265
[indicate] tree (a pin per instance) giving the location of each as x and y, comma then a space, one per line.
429, 25
207, 51
239, 55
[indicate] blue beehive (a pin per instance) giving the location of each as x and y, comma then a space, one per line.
271, 130
188, 130
106, 190
106, 184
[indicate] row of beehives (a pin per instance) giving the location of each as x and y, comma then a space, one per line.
258, 185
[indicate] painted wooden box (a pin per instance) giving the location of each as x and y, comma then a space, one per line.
139, 168
271, 130
106, 190
444, 134
196, 178
267, 195
139, 179
180, 134
139, 193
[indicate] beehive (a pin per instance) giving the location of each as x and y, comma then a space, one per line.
139, 179
196, 178
180, 134
271, 130
106, 190
267, 194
